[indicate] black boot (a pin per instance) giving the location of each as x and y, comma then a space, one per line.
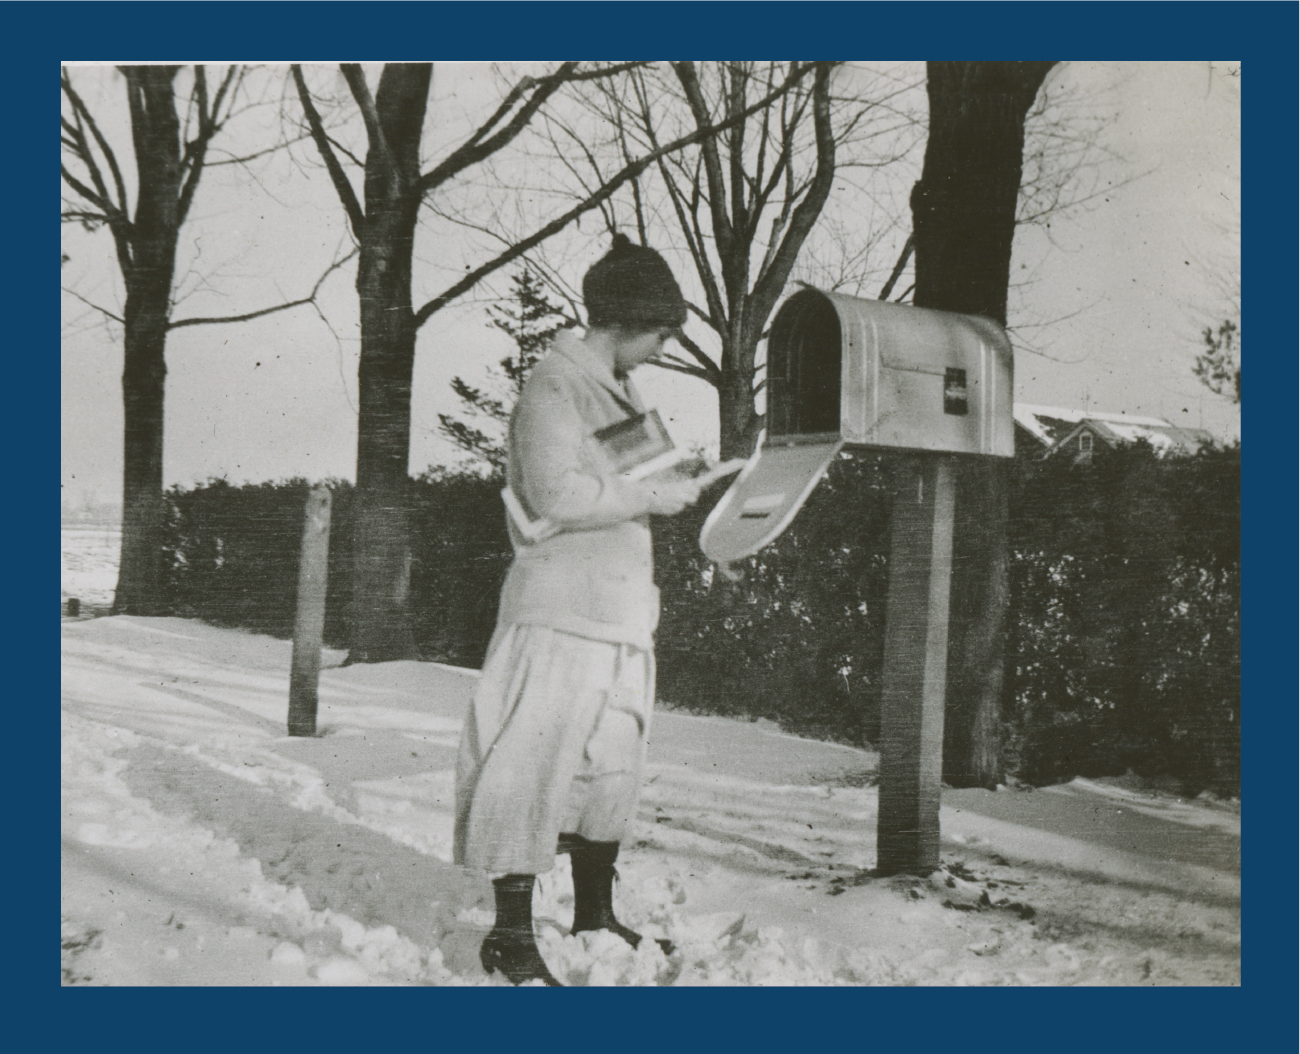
593, 891
511, 946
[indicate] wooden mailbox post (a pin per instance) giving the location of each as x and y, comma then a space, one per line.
932, 386
916, 665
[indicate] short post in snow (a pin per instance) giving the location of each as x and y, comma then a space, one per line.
915, 665
309, 622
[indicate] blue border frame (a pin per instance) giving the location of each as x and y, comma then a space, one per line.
1261, 34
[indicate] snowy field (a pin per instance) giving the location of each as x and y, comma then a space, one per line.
202, 846
89, 564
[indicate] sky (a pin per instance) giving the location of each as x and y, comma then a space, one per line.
1106, 308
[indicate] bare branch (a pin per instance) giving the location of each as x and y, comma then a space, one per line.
699, 256
903, 257
80, 216
352, 73
559, 288
782, 218
507, 104
196, 150
782, 168
348, 196
604, 72
765, 134
638, 206
712, 164
697, 353
691, 230
87, 193
665, 362
347, 153
769, 285
118, 218
234, 76
81, 149
109, 156
243, 159
266, 310
735, 75
102, 310
717, 308
628, 172
473, 151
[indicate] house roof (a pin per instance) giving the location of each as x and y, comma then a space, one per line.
1055, 426
1163, 438
1050, 424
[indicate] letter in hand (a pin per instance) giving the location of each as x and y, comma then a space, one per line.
673, 491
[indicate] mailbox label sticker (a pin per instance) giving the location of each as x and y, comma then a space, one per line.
954, 392
761, 507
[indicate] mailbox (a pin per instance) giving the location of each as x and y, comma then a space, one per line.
864, 373
843, 371
886, 375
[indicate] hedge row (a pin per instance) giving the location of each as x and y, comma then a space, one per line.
1124, 642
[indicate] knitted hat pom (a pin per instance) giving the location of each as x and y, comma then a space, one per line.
632, 286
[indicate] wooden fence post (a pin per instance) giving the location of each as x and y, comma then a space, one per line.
915, 666
309, 622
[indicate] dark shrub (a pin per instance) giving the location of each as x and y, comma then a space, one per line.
1123, 648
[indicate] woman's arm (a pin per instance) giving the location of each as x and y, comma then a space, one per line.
547, 435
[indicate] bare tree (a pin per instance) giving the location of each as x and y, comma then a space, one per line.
383, 221
984, 174
740, 206
964, 212
171, 134
1067, 168
709, 202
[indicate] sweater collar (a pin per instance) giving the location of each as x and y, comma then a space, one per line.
568, 344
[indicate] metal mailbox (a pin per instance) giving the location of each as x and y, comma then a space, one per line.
844, 371
887, 375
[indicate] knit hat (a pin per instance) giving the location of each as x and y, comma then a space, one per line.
632, 286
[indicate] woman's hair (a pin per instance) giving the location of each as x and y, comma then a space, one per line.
632, 286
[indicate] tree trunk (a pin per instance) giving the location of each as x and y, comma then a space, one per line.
381, 626
155, 130
978, 601
738, 423
964, 218
381, 630
139, 576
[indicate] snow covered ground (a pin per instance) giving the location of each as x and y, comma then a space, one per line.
89, 564
203, 846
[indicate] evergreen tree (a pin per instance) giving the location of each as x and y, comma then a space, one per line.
531, 319
1219, 366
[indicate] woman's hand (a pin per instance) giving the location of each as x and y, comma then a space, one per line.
669, 497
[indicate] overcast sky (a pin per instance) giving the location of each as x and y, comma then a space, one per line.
1106, 312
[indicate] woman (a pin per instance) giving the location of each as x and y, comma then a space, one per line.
550, 758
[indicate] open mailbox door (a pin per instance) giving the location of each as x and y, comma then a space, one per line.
767, 495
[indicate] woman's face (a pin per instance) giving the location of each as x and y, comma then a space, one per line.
634, 347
